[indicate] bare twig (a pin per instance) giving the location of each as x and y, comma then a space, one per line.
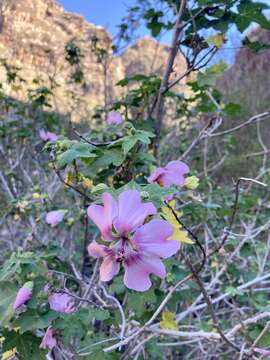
167, 73
253, 119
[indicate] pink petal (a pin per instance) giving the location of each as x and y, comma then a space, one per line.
174, 173
51, 136
23, 295
55, 217
137, 272
48, 341
151, 238
262, 352
61, 302
177, 165
96, 250
114, 118
156, 174
132, 211
103, 216
108, 269
43, 135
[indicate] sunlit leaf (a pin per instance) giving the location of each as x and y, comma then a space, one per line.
179, 234
168, 321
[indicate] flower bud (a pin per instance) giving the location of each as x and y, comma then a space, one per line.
114, 118
192, 182
99, 188
144, 195
53, 218
23, 295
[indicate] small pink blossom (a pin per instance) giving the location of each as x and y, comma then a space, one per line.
61, 302
172, 174
48, 341
137, 245
47, 135
23, 295
53, 218
114, 118
264, 353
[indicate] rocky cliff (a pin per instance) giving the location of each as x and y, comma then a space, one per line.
33, 34
247, 80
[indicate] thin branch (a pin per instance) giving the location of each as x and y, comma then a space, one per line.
149, 322
123, 325
167, 73
253, 119
210, 307
67, 184
234, 211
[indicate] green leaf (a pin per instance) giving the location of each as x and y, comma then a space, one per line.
157, 193
27, 345
138, 301
8, 294
10, 267
233, 291
217, 40
77, 151
111, 156
136, 77
117, 285
129, 143
232, 109
255, 46
31, 320
81, 321
249, 12
211, 74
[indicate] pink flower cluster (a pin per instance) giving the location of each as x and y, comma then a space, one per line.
172, 174
135, 244
60, 302
54, 217
47, 135
114, 118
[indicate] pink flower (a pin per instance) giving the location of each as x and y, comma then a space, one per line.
263, 352
114, 118
53, 218
62, 303
137, 245
172, 174
48, 341
23, 295
47, 135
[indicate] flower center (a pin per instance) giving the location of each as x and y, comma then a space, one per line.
125, 249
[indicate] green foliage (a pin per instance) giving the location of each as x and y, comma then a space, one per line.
255, 46
8, 294
76, 151
73, 53
27, 345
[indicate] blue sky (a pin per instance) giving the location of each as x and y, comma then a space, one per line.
107, 13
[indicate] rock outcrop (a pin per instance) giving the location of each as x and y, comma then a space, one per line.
33, 34
247, 80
